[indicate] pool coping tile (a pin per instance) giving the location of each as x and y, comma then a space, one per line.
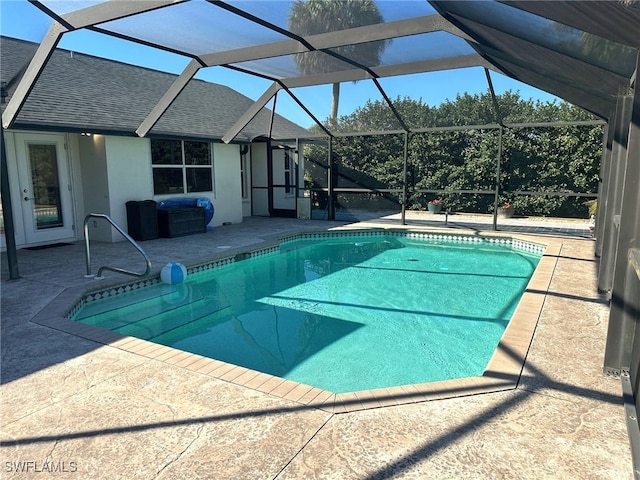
188, 362
166, 354
246, 377
388, 396
502, 372
368, 399
234, 373
298, 392
255, 382
284, 388
222, 369
349, 402
176, 359
270, 384
209, 366
198, 363
310, 395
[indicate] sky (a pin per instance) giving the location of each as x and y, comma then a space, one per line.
20, 19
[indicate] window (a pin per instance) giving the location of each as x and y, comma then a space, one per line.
181, 167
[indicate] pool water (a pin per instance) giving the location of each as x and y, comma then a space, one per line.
342, 314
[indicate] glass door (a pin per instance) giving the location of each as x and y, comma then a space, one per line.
45, 188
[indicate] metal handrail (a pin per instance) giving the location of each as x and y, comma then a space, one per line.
87, 254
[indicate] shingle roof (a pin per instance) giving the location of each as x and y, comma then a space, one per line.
79, 92
15, 57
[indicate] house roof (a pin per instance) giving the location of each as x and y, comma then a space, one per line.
78, 92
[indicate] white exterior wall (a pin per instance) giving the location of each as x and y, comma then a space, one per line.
93, 164
129, 176
108, 171
227, 202
77, 183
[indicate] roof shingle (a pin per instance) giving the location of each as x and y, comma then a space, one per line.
80, 92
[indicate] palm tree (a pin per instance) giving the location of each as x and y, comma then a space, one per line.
310, 17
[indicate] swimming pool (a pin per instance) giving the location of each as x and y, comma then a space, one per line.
341, 312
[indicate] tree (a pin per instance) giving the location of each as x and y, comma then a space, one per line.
310, 17
550, 158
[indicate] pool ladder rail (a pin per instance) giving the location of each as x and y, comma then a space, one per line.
87, 252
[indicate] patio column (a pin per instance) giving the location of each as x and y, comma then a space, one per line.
7, 212
611, 218
625, 298
603, 183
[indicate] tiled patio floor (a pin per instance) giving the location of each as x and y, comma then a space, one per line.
89, 410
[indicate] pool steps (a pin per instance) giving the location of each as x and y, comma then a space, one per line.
149, 319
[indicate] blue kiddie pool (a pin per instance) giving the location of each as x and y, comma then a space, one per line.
203, 202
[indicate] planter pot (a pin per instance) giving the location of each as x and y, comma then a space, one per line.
434, 208
505, 212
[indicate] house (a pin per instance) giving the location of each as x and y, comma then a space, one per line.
73, 149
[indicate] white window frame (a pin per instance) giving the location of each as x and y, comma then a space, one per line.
184, 168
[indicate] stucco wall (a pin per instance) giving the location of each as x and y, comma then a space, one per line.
93, 166
108, 171
129, 176
227, 200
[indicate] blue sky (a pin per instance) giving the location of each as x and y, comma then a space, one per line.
20, 19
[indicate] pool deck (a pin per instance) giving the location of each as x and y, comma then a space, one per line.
88, 409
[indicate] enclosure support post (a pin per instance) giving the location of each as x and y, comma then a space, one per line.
331, 208
7, 212
603, 184
493, 97
497, 189
273, 114
625, 302
615, 188
404, 178
298, 164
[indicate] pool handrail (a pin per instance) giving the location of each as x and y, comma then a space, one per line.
87, 253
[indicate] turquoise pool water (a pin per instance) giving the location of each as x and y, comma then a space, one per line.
342, 314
